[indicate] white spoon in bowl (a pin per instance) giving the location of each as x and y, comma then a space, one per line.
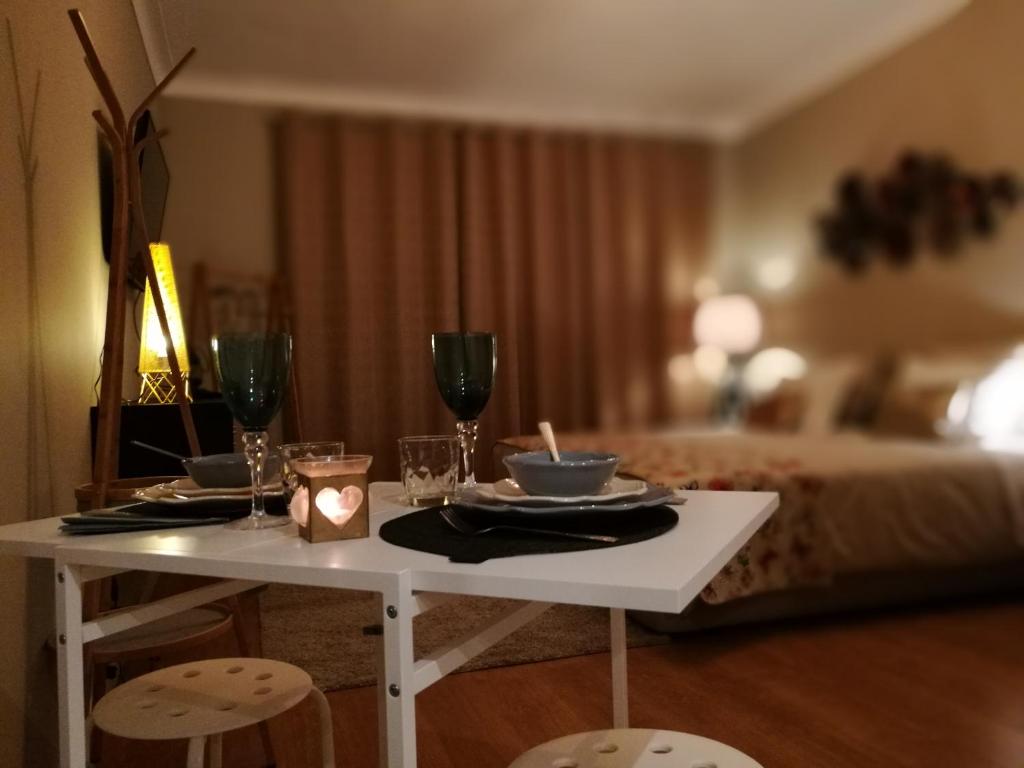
549, 439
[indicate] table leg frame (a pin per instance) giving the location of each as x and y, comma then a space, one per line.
397, 686
382, 696
129, 618
620, 678
400, 677
446, 659
70, 670
73, 633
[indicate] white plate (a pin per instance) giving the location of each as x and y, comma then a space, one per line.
186, 486
184, 491
509, 491
654, 496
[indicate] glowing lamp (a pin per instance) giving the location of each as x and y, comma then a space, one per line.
770, 367
995, 409
732, 323
154, 365
726, 329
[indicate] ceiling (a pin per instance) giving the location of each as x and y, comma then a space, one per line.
710, 68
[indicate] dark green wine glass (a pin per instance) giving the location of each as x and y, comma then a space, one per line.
464, 366
253, 370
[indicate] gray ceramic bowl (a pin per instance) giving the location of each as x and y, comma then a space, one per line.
228, 470
579, 473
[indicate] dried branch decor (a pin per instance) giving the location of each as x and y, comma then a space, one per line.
120, 134
37, 450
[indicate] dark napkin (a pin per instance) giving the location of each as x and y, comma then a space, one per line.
424, 530
76, 526
147, 515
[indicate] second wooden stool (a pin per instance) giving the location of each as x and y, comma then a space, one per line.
202, 700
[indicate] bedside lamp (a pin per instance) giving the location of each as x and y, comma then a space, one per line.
154, 367
730, 324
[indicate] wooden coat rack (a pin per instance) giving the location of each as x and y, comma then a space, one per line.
120, 133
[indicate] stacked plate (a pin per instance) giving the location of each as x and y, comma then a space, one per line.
619, 495
173, 504
184, 492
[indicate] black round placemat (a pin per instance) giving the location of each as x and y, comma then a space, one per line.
424, 530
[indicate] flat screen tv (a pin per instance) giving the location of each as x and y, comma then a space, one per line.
156, 181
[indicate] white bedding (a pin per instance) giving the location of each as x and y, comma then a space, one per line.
849, 504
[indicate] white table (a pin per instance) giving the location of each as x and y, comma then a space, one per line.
661, 574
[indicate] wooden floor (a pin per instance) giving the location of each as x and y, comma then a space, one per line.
930, 688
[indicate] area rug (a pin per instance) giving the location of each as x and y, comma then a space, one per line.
321, 630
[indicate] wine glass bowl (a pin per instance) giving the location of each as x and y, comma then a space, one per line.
464, 365
253, 369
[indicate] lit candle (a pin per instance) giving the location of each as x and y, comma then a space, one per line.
333, 499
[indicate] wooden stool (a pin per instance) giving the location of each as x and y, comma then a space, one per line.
206, 699
633, 748
171, 634
156, 639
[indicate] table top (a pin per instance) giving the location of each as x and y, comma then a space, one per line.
661, 574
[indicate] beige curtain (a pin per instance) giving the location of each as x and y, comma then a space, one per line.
577, 250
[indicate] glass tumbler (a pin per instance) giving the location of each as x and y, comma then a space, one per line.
430, 468
292, 452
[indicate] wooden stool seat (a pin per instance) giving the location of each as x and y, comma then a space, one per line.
201, 698
634, 748
206, 699
171, 634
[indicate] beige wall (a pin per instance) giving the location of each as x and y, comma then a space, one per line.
72, 283
220, 207
958, 90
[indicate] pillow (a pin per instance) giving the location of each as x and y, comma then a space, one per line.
917, 412
863, 398
781, 411
823, 388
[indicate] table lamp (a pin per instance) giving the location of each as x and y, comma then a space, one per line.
730, 323
154, 367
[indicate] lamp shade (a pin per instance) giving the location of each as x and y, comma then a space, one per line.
732, 323
154, 365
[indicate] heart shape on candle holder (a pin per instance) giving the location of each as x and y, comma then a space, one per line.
298, 507
339, 507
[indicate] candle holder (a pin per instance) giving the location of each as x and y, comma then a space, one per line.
332, 500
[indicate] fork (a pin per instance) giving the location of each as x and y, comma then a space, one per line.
462, 525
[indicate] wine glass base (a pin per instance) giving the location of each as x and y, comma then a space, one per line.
253, 523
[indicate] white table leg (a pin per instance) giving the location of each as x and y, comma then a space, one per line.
382, 697
620, 683
70, 675
400, 691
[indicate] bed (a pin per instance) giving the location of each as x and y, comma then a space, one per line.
862, 521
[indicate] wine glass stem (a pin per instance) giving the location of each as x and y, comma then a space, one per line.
255, 445
466, 430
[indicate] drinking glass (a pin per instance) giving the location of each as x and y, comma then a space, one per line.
292, 452
430, 468
464, 366
253, 369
